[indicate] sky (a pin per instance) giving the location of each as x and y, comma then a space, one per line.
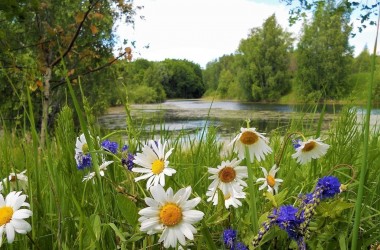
204, 30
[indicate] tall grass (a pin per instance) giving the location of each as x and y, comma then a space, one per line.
71, 214
366, 138
103, 214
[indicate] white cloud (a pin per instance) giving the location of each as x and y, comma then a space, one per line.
200, 30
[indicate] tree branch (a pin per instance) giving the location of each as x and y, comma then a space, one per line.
57, 60
90, 71
31, 45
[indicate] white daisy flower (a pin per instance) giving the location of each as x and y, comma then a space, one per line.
228, 176
12, 217
89, 176
82, 155
154, 162
269, 180
230, 199
81, 145
16, 181
256, 142
102, 168
311, 149
171, 214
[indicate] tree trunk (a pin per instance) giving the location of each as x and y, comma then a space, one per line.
45, 107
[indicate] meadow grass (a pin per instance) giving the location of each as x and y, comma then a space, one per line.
103, 214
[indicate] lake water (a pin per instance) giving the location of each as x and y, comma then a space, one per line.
227, 116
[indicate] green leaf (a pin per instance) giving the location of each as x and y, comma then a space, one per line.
117, 232
333, 209
342, 242
128, 209
218, 217
96, 225
221, 202
263, 217
136, 237
270, 197
276, 200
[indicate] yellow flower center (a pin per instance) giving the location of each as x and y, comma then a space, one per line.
249, 138
271, 181
6, 214
158, 166
309, 146
85, 148
227, 174
170, 214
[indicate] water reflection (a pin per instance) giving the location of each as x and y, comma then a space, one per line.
226, 116
232, 105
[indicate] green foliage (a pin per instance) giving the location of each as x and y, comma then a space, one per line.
362, 63
142, 94
128, 209
166, 79
211, 75
324, 54
259, 70
322, 67
360, 82
43, 35
266, 56
184, 79
367, 11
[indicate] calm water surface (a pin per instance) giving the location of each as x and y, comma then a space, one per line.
227, 116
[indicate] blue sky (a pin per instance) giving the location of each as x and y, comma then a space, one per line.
203, 30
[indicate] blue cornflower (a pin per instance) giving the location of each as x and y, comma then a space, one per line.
124, 148
307, 198
296, 143
110, 146
240, 246
128, 162
288, 219
229, 237
127, 158
330, 186
83, 161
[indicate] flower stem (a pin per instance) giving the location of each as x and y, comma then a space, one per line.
278, 159
252, 193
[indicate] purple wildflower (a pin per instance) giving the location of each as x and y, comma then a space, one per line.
240, 246
229, 237
110, 146
124, 148
83, 161
287, 218
128, 162
330, 186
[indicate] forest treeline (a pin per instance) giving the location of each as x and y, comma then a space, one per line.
267, 66
44, 46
